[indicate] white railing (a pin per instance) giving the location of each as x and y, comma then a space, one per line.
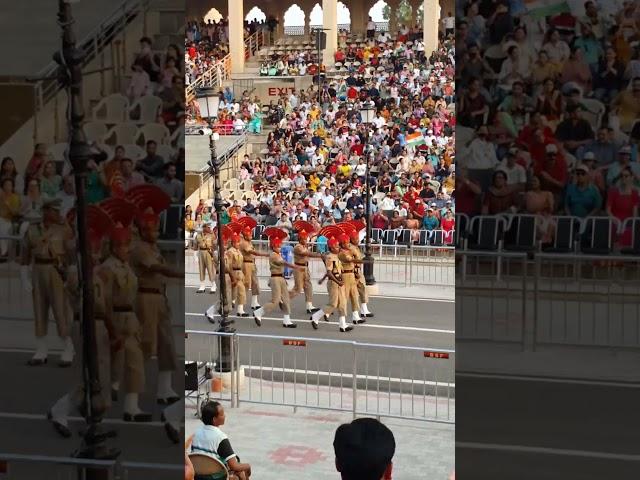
365, 379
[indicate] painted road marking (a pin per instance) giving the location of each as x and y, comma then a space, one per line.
543, 379
366, 325
548, 451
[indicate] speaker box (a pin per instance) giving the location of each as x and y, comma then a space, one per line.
190, 376
321, 40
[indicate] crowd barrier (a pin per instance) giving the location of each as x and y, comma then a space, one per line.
361, 378
19, 467
396, 264
543, 300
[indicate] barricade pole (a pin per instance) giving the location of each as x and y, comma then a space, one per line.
355, 379
524, 322
237, 339
233, 377
536, 295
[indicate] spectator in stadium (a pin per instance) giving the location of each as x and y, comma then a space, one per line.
623, 201
50, 181
31, 205
624, 161
582, 198
8, 170
9, 211
152, 165
209, 439
67, 195
500, 198
170, 184
364, 450
34, 167
130, 178
140, 83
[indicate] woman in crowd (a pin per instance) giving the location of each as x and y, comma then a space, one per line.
9, 212
8, 170
623, 201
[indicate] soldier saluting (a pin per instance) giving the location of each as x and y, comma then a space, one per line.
205, 245
46, 249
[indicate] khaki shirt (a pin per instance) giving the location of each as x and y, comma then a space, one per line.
101, 292
234, 258
276, 264
144, 255
246, 247
357, 255
123, 280
205, 242
334, 265
346, 257
48, 243
299, 254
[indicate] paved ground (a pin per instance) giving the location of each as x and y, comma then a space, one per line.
299, 445
540, 428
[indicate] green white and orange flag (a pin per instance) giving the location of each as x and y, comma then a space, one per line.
415, 139
544, 8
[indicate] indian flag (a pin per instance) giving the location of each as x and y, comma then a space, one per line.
544, 8
415, 139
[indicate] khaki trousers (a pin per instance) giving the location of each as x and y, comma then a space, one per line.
251, 278
49, 293
302, 282
206, 265
128, 362
337, 300
351, 291
157, 340
279, 294
239, 291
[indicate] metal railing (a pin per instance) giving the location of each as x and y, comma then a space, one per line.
294, 30
362, 378
396, 264
586, 300
491, 296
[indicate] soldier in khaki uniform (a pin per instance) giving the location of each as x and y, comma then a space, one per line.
46, 249
335, 288
249, 266
233, 264
349, 263
362, 289
302, 277
127, 362
106, 340
205, 245
277, 282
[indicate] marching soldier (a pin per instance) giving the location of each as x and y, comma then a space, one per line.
46, 248
105, 337
205, 244
249, 266
335, 288
302, 277
349, 263
152, 305
359, 257
127, 362
279, 289
233, 266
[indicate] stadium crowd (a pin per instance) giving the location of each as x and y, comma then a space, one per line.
548, 118
111, 170
395, 108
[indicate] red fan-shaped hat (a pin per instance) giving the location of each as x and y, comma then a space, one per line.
346, 227
359, 225
330, 231
119, 210
146, 197
98, 224
247, 222
304, 228
333, 242
235, 227
273, 232
227, 233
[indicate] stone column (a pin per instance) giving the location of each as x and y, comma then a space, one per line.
330, 22
236, 35
359, 16
431, 20
393, 16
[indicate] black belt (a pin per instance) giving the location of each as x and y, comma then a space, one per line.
248, 261
150, 290
277, 275
205, 249
237, 269
122, 309
347, 271
302, 264
44, 261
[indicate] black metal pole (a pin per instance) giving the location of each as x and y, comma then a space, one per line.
318, 44
224, 359
70, 61
369, 278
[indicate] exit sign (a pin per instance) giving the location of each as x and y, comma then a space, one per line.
430, 354
294, 343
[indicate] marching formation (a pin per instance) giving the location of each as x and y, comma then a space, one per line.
343, 263
130, 306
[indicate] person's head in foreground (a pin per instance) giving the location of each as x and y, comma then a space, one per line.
364, 450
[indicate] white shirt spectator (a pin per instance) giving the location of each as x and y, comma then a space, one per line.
379, 121
387, 204
212, 441
238, 125
515, 175
481, 155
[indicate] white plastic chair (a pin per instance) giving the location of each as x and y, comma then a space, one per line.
58, 151
177, 137
121, 133
152, 131
146, 109
247, 184
167, 152
134, 152
249, 195
231, 184
95, 131
111, 109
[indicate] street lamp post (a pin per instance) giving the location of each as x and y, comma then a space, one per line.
368, 112
70, 60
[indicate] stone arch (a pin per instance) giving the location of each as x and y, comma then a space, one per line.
214, 15
255, 13
294, 20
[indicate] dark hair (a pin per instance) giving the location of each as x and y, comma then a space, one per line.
151, 142
364, 449
209, 411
